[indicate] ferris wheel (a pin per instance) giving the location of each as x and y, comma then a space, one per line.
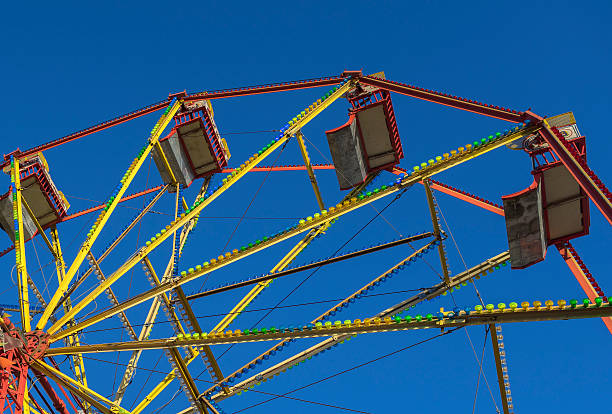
50, 339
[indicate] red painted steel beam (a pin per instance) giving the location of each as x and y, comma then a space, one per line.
285, 168
87, 131
583, 276
57, 402
436, 185
101, 206
460, 194
268, 88
586, 178
216, 94
470, 198
445, 99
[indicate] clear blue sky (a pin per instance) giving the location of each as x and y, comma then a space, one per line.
67, 66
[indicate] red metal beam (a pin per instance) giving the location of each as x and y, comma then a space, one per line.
470, 198
285, 168
57, 402
101, 206
436, 185
87, 131
445, 99
268, 88
583, 276
588, 180
216, 94
460, 194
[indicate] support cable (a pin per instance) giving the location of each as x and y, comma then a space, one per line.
350, 369
397, 197
481, 303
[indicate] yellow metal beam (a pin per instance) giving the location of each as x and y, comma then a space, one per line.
436, 228
453, 159
208, 356
257, 289
536, 313
174, 317
311, 174
189, 386
104, 216
73, 340
151, 316
20, 257
111, 296
428, 294
134, 222
209, 360
202, 203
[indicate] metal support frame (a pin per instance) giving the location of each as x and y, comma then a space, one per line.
112, 298
266, 168
13, 382
154, 309
428, 294
198, 208
283, 263
20, 256
243, 303
472, 318
586, 178
462, 155
313, 265
207, 356
186, 380
101, 221
160, 387
341, 209
444, 99
58, 403
413, 91
566, 250
125, 198
73, 340
283, 366
114, 244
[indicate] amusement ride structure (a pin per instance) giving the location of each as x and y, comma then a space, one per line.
187, 148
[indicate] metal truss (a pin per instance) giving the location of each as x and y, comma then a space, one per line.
31, 347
